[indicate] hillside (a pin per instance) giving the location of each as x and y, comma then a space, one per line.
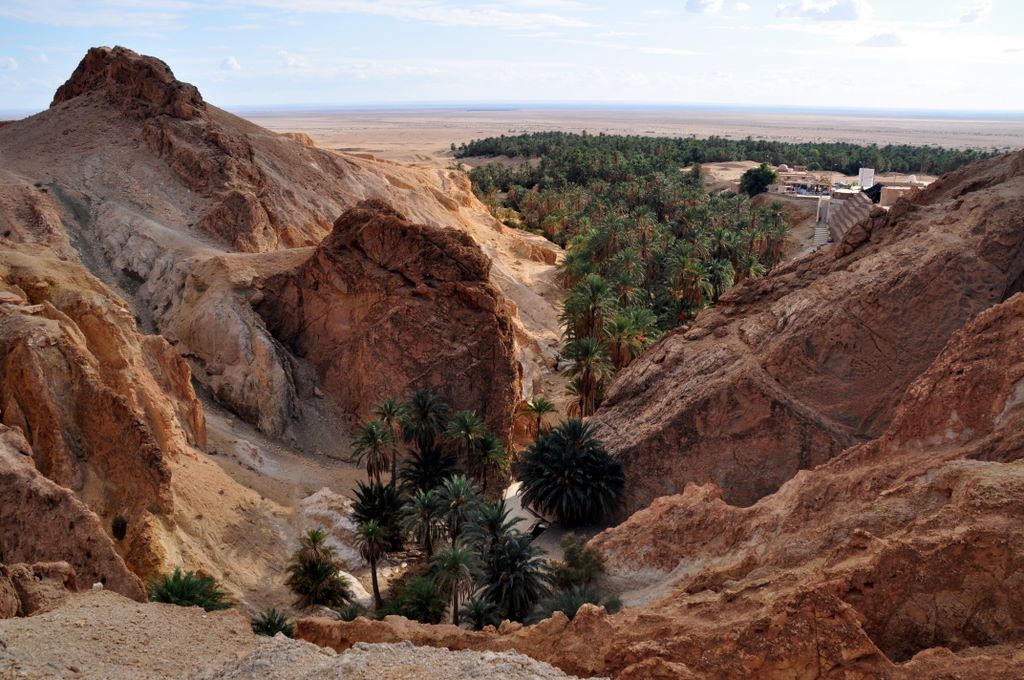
142, 230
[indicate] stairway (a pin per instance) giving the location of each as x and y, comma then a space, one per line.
843, 214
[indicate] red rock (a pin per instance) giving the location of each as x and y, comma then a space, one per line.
384, 307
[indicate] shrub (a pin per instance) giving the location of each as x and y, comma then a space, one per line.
569, 602
419, 600
756, 180
479, 612
349, 612
313, 573
580, 565
188, 589
270, 622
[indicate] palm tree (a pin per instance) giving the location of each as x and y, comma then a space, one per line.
465, 430
568, 474
537, 408
383, 504
374, 447
721, 275
459, 499
514, 576
390, 412
426, 470
372, 540
588, 304
588, 371
421, 518
490, 525
313, 573
478, 613
425, 419
454, 568
489, 454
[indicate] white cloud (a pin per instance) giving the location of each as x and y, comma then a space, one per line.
703, 6
675, 51
826, 10
230, 64
882, 40
980, 12
8, 64
442, 12
742, 7
292, 60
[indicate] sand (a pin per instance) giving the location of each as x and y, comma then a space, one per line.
424, 136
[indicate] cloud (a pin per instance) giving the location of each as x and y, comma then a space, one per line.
826, 10
883, 40
675, 51
443, 12
8, 64
980, 12
292, 60
742, 7
230, 64
703, 6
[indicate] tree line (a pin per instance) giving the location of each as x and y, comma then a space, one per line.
650, 154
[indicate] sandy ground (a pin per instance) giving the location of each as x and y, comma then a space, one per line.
425, 135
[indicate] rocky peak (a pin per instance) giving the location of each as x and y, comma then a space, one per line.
141, 85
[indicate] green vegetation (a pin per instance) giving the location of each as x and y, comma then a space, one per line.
567, 474
454, 574
580, 565
514, 576
270, 622
569, 601
537, 409
478, 612
372, 540
188, 589
349, 612
313, 573
757, 180
420, 600
622, 157
374, 447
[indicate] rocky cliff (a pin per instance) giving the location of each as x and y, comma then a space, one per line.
384, 307
791, 369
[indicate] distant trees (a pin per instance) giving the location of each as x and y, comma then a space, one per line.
757, 180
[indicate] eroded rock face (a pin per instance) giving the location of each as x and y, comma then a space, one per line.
384, 307
859, 568
41, 522
40, 587
790, 370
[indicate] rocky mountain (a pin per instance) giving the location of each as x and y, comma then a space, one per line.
157, 252
789, 370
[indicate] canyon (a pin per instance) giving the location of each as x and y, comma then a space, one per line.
824, 472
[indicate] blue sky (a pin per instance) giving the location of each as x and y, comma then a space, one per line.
916, 54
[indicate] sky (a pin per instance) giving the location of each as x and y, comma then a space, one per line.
964, 55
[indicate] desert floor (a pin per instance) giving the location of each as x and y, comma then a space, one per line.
425, 135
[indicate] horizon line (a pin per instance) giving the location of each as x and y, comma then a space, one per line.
512, 105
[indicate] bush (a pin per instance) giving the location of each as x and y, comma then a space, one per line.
271, 622
188, 589
313, 573
756, 180
580, 565
569, 602
479, 612
419, 600
349, 612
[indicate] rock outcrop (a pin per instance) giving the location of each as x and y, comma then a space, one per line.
41, 521
899, 558
38, 587
384, 307
791, 369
